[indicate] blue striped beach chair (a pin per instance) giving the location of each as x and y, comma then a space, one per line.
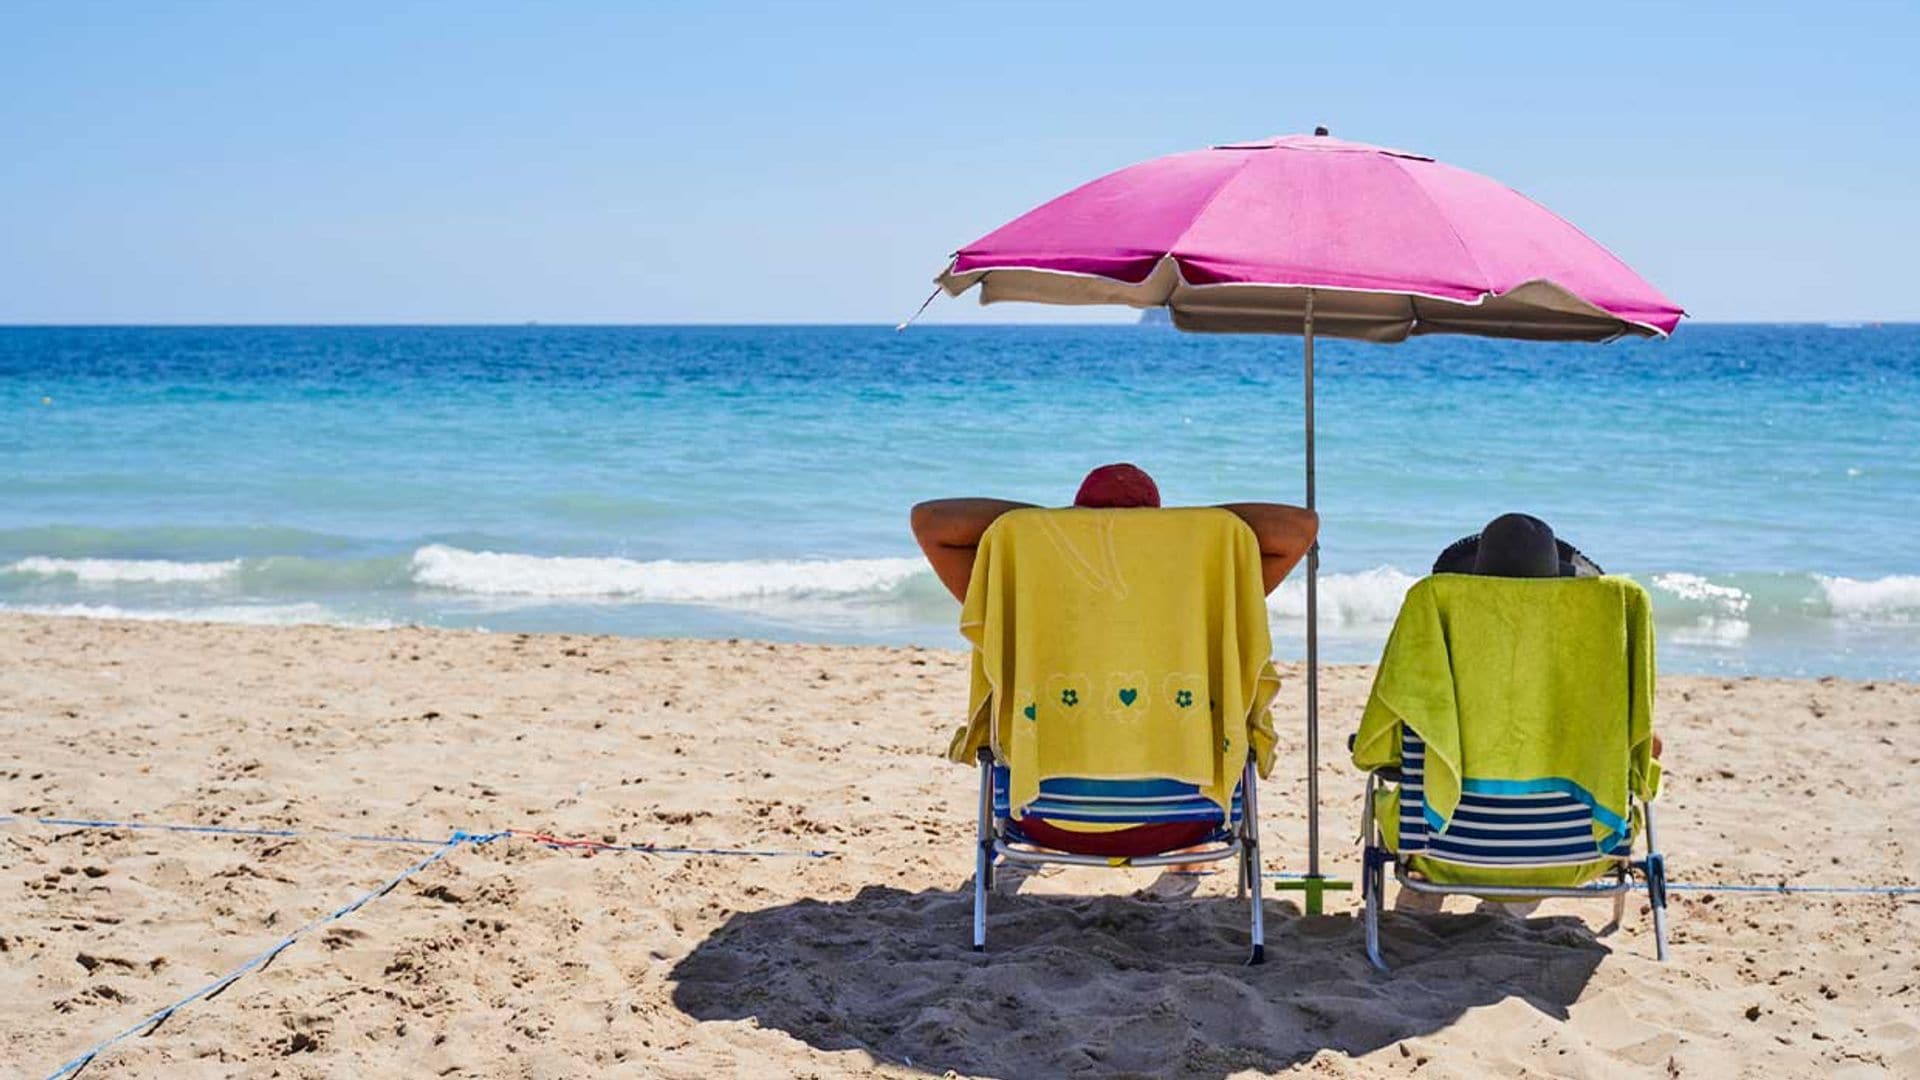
1495, 834
1165, 805
1151, 760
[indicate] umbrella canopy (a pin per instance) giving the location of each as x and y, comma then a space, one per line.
1392, 243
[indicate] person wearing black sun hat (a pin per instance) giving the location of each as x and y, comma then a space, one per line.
1519, 546
1510, 546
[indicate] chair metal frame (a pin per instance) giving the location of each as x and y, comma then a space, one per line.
1651, 870
1242, 841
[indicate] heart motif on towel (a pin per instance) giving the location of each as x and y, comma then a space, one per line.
1029, 710
1128, 695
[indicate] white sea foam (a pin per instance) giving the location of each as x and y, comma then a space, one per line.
1720, 610
119, 571
1896, 596
1367, 598
1726, 599
303, 614
1712, 632
491, 573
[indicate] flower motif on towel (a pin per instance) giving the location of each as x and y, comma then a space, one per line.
1066, 689
1123, 698
1183, 691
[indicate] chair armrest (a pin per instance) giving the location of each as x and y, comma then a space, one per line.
1389, 773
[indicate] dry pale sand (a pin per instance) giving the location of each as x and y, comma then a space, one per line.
515, 959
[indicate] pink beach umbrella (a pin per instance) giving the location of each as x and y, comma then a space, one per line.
1307, 234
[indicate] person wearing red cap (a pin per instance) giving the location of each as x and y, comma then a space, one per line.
949, 530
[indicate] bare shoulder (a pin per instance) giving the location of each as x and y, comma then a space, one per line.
958, 521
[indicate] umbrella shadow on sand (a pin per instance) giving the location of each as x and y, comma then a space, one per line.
1109, 984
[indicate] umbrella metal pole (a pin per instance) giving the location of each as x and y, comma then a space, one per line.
1313, 884
1313, 645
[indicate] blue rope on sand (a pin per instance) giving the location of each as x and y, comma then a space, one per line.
1783, 888
562, 843
545, 840
223, 830
1868, 890
213, 989
442, 848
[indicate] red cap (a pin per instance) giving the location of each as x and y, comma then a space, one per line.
1116, 486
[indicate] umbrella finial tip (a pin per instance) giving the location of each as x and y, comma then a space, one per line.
1321, 130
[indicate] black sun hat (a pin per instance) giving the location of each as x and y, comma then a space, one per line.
1515, 545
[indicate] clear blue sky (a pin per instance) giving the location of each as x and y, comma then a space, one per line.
711, 162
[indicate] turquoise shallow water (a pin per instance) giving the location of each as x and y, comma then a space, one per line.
1761, 480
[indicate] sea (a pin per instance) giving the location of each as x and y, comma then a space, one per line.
1762, 481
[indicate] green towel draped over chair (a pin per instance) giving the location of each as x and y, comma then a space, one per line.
1521, 685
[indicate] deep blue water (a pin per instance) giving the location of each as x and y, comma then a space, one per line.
755, 480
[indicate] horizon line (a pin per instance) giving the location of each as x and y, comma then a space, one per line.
1846, 323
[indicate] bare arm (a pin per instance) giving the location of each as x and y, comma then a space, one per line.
1285, 533
949, 532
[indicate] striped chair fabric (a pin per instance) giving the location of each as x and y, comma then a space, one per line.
1115, 802
1550, 829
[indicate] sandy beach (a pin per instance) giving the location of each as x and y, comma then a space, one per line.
516, 959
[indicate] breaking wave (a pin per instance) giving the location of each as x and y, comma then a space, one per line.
491, 573
1894, 597
114, 571
1357, 600
304, 614
273, 587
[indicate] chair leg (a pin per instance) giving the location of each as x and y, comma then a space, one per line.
1373, 875
1250, 857
1240, 867
1656, 872
980, 901
983, 854
1658, 896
